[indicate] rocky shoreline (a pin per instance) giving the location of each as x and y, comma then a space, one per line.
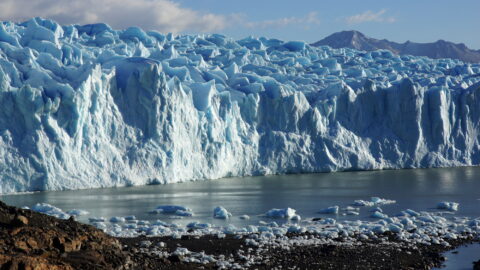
30, 240
232, 253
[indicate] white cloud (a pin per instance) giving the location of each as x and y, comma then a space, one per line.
310, 19
370, 16
161, 15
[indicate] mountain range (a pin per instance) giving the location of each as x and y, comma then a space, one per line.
438, 49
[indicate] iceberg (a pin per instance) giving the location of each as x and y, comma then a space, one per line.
89, 106
287, 213
50, 210
330, 210
450, 206
221, 213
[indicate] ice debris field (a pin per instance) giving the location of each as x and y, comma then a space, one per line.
89, 106
286, 229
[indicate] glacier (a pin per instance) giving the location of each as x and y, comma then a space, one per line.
87, 106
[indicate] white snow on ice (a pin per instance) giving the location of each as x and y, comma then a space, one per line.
89, 106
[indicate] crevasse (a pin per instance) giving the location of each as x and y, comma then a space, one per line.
89, 106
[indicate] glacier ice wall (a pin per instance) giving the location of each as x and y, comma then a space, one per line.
89, 106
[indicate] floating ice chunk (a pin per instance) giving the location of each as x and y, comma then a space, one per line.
426, 218
143, 222
100, 225
281, 213
350, 208
181, 251
117, 219
380, 201
245, 217
296, 218
197, 225
177, 210
474, 223
394, 228
377, 214
362, 203
230, 229
50, 210
373, 201
96, 219
379, 229
412, 213
130, 218
450, 206
221, 213
77, 212
330, 210
171, 209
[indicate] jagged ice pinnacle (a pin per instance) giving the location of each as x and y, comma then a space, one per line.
89, 106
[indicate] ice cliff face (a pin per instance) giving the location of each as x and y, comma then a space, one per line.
88, 106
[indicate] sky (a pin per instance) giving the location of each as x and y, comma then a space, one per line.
308, 20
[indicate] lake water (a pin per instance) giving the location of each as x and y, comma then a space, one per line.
419, 189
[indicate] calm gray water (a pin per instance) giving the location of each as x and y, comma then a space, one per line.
419, 189
463, 258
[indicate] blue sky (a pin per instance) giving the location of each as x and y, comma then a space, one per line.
420, 20
309, 20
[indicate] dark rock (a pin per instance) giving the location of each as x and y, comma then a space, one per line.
174, 258
476, 265
30, 240
19, 221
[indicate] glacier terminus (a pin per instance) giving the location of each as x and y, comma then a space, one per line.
89, 106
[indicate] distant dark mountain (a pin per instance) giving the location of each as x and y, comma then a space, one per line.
438, 49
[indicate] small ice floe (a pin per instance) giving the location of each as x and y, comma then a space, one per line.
330, 210
77, 212
130, 218
177, 210
117, 219
380, 201
409, 213
197, 225
244, 217
181, 251
363, 203
377, 214
221, 213
296, 229
100, 225
377, 209
50, 210
288, 213
450, 206
350, 208
296, 218
373, 202
96, 219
